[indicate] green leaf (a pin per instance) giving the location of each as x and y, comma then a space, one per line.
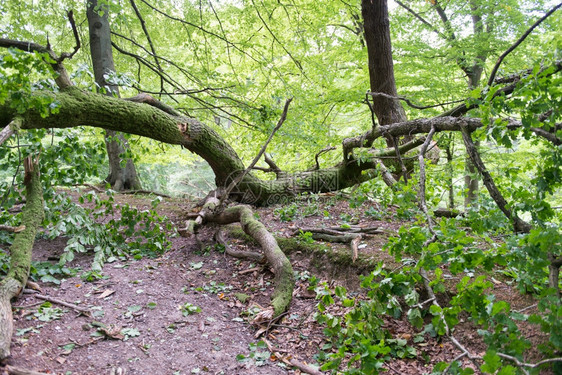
492, 362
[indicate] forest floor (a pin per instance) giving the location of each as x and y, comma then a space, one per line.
142, 323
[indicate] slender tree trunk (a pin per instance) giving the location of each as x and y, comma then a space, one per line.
474, 73
450, 172
122, 176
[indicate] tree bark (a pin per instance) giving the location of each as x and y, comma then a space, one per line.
284, 283
519, 225
121, 177
381, 78
381, 66
20, 260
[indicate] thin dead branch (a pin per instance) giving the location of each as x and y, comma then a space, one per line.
290, 360
324, 150
239, 178
13, 370
518, 224
411, 104
66, 55
518, 42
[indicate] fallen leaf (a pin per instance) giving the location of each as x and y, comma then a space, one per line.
106, 293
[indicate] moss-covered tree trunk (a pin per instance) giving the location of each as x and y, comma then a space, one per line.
20, 252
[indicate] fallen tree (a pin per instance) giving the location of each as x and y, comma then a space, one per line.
145, 116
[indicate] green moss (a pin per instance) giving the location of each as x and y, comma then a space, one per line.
32, 217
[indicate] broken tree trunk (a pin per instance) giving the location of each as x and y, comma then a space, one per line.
20, 252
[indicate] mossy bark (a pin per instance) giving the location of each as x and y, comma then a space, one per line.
284, 281
76, 108
20, 261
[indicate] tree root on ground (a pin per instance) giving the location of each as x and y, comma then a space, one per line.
256, 257
20, 251
277, 260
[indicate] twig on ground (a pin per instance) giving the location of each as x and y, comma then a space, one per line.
12, 370
290, 360
81, 310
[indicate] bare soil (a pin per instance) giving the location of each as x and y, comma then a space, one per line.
144, 298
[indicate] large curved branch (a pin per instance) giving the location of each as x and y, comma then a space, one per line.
77, 108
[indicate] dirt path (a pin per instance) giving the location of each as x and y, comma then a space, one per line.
187, 312
147, 299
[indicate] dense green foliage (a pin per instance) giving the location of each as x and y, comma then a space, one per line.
232, 64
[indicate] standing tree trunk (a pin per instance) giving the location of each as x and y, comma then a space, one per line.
121, 177
381, 66
474, 74
381, 75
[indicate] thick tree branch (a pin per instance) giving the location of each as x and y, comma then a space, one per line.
10, 129
147, 99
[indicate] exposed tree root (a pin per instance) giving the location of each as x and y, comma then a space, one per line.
280, 264
351, 235
256, 257
20, 251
